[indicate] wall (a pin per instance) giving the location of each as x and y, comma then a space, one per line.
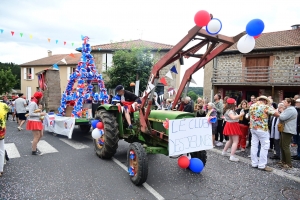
208, 72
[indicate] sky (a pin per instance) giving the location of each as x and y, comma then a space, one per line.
105, 21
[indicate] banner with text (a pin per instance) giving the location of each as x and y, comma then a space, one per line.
59, 125
189, 135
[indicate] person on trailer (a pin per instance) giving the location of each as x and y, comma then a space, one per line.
130, 101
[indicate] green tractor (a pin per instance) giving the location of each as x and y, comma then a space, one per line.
148, 135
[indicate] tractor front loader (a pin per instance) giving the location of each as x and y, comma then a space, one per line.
149, 135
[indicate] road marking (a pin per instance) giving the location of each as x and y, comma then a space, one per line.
146, 185
12, 150
45, 147
275, 171
74, 144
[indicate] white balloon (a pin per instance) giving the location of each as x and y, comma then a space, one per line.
214, 26
246, 44
96, 133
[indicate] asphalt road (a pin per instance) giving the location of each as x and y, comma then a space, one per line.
73, 171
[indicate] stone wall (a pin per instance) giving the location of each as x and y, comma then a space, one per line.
207, 84
51, 95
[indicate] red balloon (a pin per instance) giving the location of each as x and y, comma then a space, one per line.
255, 37
183, 162
100, 125
202, 18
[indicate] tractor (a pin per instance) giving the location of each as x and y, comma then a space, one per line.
148, 135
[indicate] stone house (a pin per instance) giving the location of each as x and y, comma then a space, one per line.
103, 59
271, 69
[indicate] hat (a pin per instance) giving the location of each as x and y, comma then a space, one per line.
230, 101
264, 98
119, 87
38, 95
297, 100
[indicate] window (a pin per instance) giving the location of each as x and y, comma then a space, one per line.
107, 60
70, 70
28, 73
257, 69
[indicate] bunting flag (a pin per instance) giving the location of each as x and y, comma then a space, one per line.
169, 75
99, 49
1, 30
64, 61
65, 43
30, 36
72, 55
163, 81
193, 81
55, 66
150, 86
174, 70
56, 41
21, 34
82, 37
72, 43
12, 33
48, 39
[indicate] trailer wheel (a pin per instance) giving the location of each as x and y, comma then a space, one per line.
137, 163
106, 146
85, 128
201, 155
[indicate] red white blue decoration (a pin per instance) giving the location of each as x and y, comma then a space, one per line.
214, 26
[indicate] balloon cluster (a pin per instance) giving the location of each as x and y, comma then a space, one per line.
131, 170
194, 164
98, 131
213, 25
253, 29
85, 74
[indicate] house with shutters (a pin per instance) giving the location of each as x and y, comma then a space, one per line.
103, 59
272, 68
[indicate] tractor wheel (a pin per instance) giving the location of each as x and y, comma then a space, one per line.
107, 145
201, 155
85, 128
137, 163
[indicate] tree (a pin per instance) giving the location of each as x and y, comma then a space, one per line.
129, 66
15, 69
193, 95
197, 90
7, 81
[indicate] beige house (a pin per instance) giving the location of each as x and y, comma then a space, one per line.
272, 69
103, 60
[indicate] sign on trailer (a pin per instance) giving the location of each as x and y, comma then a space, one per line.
189, 135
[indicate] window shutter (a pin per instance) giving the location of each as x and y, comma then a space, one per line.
68, 73
32, 73
25, 73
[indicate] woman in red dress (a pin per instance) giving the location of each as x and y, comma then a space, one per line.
34, 123
231, 129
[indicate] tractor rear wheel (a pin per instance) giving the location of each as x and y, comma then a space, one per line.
107, 145
85, 128
201, 155
137, 163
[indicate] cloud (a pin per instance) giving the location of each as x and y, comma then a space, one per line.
166, 21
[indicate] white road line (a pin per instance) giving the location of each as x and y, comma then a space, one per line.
12, 150
146, 185
45, 147
275, 171
74, 144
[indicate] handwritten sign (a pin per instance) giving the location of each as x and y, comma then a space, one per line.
189, 135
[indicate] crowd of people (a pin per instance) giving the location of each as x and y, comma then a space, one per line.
23, 111
260, 124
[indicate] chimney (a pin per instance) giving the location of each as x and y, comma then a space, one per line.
49, 53
296, 26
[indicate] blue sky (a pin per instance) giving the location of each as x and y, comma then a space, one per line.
161, 21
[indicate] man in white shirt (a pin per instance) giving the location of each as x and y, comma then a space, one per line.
20, 104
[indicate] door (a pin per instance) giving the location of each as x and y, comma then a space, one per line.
28, 92
250, 93
257, 69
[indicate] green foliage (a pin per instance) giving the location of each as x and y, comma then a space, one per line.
16, 70
197, 90
7, 81
193, 95
127, 65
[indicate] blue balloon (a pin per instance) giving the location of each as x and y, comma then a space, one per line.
255, 27
213, 120
94, 123
196, 165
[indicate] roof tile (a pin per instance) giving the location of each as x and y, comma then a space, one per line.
50, 60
